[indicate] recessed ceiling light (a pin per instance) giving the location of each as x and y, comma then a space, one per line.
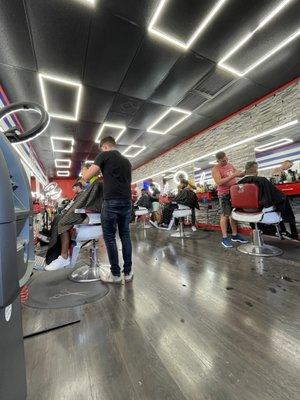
185, 45
63, 173
246, 38
197, 168
273, 145
230, 146
133, 146
185, 114
119, 128
62, 162
62, 139
66, 82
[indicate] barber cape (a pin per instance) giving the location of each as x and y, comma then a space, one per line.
269, 194
187, 198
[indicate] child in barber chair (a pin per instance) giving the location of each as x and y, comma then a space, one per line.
57, 256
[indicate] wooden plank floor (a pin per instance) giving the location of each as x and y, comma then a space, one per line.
198, 322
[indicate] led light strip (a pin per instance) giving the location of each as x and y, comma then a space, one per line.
122, 129
141, 148
62, 139
231, 146
273, 145
246, 38
63, 173
61, 161
172, 109
66, 82
195, 35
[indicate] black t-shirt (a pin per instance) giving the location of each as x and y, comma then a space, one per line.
116, 171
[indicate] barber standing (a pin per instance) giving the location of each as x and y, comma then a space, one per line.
116, 209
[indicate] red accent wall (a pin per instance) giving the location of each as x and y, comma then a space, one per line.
66, 186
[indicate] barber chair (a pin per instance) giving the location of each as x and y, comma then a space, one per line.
247, 208
89, 231
144, 213
181, 213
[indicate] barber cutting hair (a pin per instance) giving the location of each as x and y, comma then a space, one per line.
116, 209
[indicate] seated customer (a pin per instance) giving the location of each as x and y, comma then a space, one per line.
58, 250
270, 196
144, 200
185, 197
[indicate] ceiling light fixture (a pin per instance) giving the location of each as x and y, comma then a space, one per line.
63, 173
177, 174
172, 109
65, 82
62, 139
194, 36
119, 128
213, 162
62, 162
273, 145
246, 38
231, 146
133, 146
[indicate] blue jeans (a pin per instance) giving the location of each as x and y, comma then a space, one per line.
117, 213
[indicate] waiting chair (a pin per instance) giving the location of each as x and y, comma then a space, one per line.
247, 208
144, 213
89, 231
181, 212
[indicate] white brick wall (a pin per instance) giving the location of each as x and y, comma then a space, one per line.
278, 109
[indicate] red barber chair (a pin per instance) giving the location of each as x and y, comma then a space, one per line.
247, 208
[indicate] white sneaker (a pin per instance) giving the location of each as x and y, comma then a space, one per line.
194, 228
59, 263
110, 278
129, 277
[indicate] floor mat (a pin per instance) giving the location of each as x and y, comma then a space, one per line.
54, 290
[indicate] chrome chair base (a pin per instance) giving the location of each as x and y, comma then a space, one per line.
265, 250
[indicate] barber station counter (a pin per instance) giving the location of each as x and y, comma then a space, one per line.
290, 189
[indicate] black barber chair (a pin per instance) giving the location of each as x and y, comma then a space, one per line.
16, 251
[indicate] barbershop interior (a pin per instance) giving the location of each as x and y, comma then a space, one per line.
149, 200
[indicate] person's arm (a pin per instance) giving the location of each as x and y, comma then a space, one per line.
88, 173
221, 181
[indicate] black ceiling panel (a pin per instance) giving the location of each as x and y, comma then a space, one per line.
180, 18
61, 99
268, 37
135, 11
192, 100
130, 136
236, 19
60, 127
150, 66
147, 115
95, 104
86, 132
60, 33
285, 66
15, 42
112, 46
215, 81
234, 98
184, 75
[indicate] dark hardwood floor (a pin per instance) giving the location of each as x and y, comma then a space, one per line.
198, 322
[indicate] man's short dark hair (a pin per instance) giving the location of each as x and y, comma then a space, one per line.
251, 166
220, 155
108, 140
